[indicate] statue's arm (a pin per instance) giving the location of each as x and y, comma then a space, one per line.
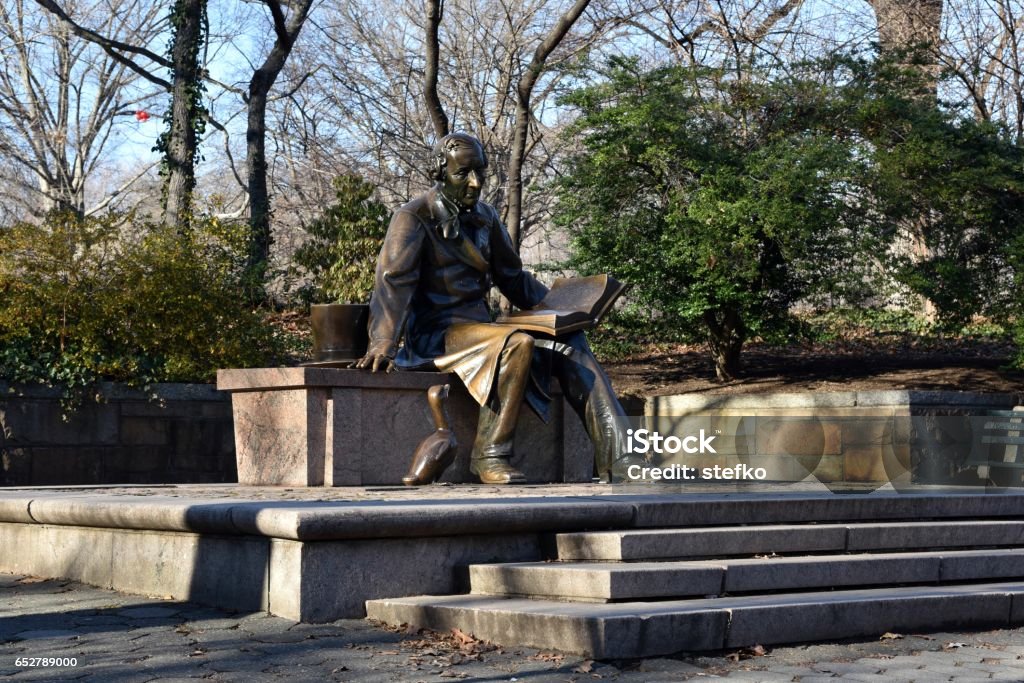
519, 286
397, 275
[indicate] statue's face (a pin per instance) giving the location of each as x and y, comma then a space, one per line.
464, 175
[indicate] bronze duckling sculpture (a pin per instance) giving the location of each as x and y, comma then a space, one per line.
436, 452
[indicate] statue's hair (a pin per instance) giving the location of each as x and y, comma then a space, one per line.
446, 146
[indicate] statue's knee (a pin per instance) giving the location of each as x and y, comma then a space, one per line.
520, 342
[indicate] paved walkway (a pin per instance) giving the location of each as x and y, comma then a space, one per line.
114, 637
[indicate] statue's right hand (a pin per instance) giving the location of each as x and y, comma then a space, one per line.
375, 362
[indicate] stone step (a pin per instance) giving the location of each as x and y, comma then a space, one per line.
645, 629
689, 511
619, 581
650, 544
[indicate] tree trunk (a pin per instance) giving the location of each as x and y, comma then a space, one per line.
260, 238
524, 90
181, 141
433, 48
726, 334
259, 195
913, 25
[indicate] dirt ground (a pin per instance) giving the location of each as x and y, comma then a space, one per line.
879, 364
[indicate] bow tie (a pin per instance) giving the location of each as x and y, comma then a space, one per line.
451, 217
448, 214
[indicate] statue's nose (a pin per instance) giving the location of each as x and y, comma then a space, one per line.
475, 180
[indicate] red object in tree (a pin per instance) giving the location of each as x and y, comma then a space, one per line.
142, 115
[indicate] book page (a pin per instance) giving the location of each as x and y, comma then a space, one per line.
575, 294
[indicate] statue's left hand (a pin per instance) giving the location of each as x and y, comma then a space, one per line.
375, 361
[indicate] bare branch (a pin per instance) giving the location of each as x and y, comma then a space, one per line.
111, 46
113, 194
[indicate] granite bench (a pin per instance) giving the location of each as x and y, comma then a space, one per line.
316, 426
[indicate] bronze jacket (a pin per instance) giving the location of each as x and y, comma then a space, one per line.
427, 281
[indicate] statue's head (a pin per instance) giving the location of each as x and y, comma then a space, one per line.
459, 163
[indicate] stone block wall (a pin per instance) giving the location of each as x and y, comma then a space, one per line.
864, 437
171, 433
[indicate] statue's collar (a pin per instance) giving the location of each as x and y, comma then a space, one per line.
446, 213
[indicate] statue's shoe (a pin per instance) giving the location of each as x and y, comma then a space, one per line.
619, 472
496, 470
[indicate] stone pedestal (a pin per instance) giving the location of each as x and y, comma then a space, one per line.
311, 426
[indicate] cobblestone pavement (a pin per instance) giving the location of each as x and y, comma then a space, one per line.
115, 637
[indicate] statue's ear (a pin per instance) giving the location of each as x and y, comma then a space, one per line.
438, 161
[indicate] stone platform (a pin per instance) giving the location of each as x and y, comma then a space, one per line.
653, 554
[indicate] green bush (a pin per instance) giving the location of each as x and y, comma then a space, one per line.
722, 212
83, 300
340, 255
726, 201
1016, 309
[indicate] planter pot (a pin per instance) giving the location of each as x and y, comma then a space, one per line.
339, 332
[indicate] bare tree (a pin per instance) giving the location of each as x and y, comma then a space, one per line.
983, 48
714, 33
369, 109
62, 98
287, 18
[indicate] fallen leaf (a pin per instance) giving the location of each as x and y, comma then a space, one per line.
547, 657
463, 637
748, 653
953, 646
585, 667
888, 635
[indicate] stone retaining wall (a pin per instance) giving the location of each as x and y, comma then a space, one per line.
869, 437
172, 433
183, 433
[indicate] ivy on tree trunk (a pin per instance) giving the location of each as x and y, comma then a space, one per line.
187, 117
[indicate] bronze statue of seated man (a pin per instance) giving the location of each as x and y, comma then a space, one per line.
442, 253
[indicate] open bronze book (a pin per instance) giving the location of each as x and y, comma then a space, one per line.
574, 303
